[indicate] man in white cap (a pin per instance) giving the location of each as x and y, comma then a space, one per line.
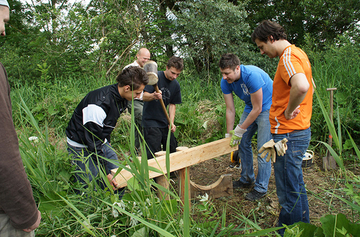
19, 215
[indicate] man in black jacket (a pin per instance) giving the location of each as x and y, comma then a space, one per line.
88, 132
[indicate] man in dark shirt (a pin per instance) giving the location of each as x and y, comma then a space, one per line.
155, 124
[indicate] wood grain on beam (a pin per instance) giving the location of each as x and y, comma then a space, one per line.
181, 159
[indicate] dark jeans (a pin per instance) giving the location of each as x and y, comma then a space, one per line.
87, 166
155, 137
290, 187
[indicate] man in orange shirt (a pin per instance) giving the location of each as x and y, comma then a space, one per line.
290, 115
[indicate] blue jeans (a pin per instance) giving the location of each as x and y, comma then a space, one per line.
290, 187
87, 166
262, 126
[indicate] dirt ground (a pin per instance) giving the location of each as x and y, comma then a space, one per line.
265, 212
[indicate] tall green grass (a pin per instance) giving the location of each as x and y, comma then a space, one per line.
96, 212
337, 67
44, 109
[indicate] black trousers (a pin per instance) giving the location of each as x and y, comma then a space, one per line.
157, 137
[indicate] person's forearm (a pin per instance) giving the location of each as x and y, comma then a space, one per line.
295, 99
148, 96
172, 110
230, 118
299, 88
250, 118
151, 96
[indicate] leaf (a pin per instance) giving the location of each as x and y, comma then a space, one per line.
140, 232
354, 145
331, 224
328, 122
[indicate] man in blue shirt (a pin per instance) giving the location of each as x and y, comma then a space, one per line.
254, 86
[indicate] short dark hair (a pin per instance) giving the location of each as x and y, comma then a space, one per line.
133, 76
268, 28
175, 62
229, 60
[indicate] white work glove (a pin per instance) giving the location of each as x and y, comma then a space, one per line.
268, 148
227, 135
281, 147
236, 135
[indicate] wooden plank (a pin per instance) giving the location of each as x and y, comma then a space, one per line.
183, 173
163, 181
182, 159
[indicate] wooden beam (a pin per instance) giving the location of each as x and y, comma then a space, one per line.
181, 159
182, 176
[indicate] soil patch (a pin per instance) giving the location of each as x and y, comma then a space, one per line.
320, 186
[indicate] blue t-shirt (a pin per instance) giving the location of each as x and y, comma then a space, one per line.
251, 80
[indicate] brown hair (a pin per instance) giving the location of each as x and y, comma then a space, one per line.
175, 62
268, 28
229, 60
133, 76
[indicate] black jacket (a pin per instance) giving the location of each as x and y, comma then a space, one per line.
95, 117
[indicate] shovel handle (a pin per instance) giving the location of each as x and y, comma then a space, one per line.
163, 105
331, 110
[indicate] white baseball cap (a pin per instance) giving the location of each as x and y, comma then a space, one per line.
4, 3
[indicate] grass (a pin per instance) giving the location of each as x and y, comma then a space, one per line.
44, 109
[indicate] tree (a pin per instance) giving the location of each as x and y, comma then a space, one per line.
16, 46
322, 20
207, 29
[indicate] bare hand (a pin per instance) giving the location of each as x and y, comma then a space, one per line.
35, 225
173, 128
157, 96
293, 114
112, 181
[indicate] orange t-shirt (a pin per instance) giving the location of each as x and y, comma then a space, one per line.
293, 60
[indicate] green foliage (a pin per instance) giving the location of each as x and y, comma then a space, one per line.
76, 39
52, 69
323, 21
332, 225
210, 30
48, 176
337, 67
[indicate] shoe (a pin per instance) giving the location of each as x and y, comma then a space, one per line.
238, 184
254, 195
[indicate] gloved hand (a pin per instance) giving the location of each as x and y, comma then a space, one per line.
268, 148
227, 135
236, 135
281, 147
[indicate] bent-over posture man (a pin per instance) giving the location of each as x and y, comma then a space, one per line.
154, 122
290, 115
19, 215
254, 86
89, 129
